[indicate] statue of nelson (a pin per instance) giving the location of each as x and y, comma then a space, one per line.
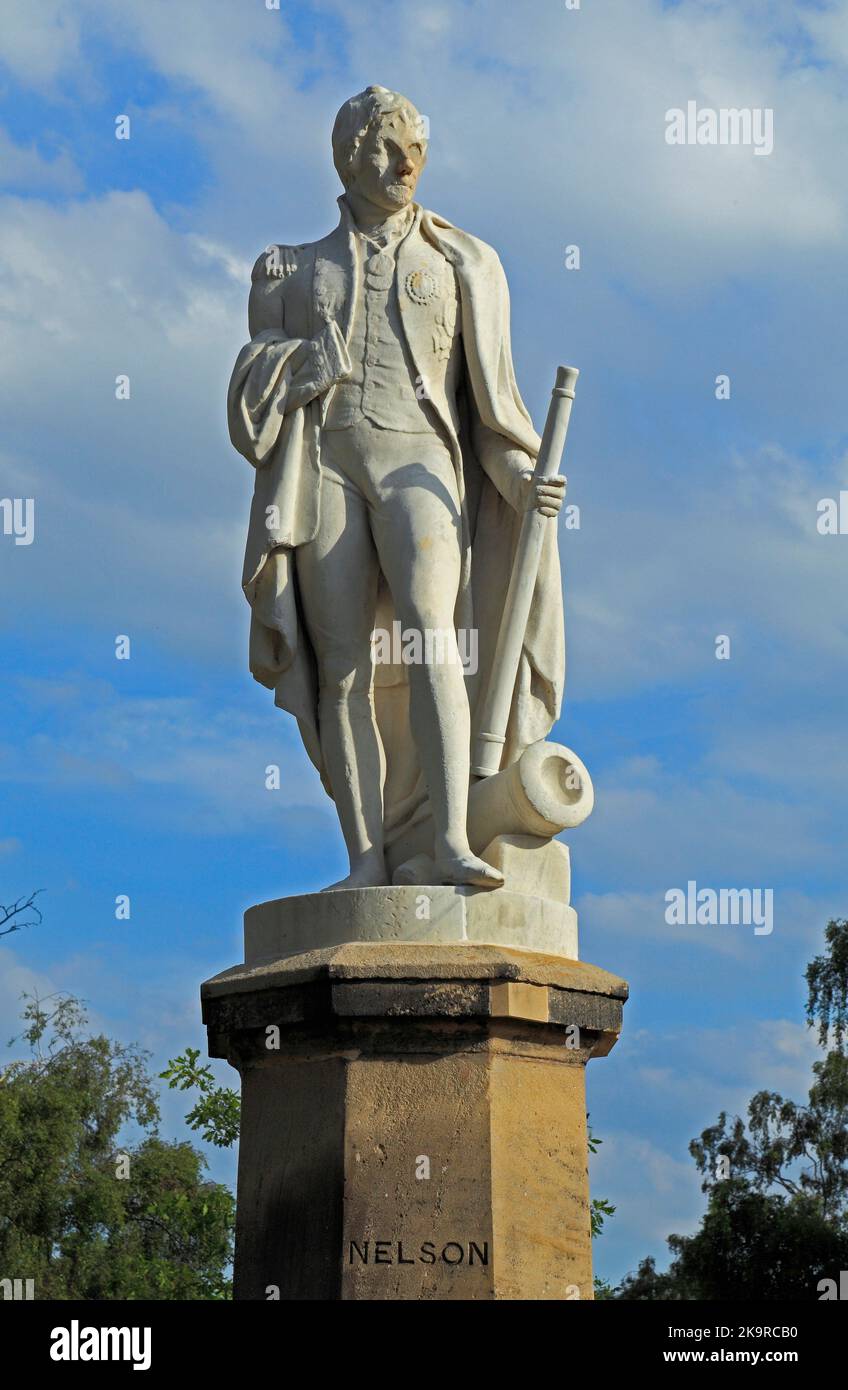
377, 402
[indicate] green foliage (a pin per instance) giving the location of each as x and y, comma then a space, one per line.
218, 1112
751, 1247
80, 1213
802, 1149
599, 1207
827, 986
648, 1285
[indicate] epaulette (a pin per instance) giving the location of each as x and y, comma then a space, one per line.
276, 262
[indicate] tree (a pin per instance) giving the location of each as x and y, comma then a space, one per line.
751, 1247
827, 986
82, 1214
802, 1150
218, 1112
777, 1183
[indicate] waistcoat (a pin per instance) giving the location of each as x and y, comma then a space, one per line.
383, 385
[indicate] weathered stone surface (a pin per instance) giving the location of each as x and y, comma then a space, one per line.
365, 1067
400, 913
393, 960
532, 865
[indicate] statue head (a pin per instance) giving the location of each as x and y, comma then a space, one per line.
380, 147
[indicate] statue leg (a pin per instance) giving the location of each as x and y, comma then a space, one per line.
415, 520
337, 578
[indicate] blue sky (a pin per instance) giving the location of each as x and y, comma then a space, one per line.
698, 516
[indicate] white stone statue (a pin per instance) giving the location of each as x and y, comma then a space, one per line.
394, 460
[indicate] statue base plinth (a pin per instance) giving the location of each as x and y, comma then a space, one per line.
499, 917
413, 1119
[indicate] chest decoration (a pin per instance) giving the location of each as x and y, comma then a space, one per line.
421, 286
444, 328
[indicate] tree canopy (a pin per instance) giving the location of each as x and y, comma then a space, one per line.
83, 1212
776, 1223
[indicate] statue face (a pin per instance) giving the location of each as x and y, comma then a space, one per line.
389, 162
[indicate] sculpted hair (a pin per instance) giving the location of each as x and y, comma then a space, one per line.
356, 118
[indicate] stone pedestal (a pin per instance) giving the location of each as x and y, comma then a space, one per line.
414, 1119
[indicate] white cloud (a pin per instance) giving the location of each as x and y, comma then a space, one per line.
206, 767
594, 85
747, 562
26, 169
40, 42
87, 292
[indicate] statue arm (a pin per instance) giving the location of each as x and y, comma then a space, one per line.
501, 431
508, 466
317, 363
265, 308
275, 374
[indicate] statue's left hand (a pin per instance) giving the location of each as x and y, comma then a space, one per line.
546, 495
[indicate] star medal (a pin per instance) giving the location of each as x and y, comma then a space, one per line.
421, 286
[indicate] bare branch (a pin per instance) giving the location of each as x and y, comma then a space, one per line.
18, 909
